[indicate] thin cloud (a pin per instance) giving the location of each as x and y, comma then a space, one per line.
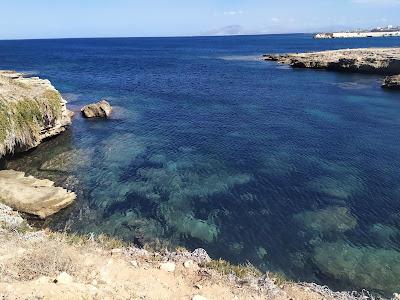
233, 12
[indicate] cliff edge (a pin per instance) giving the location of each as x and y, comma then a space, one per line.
31, 110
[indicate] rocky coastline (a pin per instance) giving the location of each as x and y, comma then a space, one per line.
382, 61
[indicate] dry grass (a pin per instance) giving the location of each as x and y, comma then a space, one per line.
240, 271
25, 109
35, 262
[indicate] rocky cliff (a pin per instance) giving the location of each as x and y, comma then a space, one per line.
31, 110
384, 61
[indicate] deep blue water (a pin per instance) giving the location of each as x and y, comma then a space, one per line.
295, 171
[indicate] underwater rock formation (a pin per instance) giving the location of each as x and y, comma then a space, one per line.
31, 195
367, 267
392, 82
368, 60
101, 109
68, 161
331, 220
31, 110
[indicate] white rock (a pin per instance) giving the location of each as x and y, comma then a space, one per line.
135, 264
168, 267
116, 250
198, 297
188, 264
64, 278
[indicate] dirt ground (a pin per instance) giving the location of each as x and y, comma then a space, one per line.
42, 265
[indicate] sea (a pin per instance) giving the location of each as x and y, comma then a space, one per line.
294, 171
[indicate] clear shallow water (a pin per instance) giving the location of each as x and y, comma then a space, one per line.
295, 171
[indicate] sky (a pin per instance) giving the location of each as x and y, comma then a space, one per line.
24, 19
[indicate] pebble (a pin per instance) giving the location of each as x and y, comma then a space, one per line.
188, 264
168, 267
134, 263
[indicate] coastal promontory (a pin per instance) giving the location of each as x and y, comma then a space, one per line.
31, 110
384, 61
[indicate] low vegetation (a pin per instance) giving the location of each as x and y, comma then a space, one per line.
26, 108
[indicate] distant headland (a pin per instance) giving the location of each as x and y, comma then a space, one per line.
388, 31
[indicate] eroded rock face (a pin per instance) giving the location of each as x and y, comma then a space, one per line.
100, 109
369, 60
31, 110
31, 195
392, 82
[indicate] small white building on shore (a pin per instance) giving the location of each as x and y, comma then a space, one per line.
357, 34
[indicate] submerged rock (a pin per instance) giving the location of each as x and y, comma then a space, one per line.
101, 109
31, 195
68, 161
331, 220
31, 110
366, 267
392, 82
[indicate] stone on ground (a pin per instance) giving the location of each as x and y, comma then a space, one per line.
168, 267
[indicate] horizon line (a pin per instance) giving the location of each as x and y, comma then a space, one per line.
149, 37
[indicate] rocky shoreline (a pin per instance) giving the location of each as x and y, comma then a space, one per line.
382, 61
50, 265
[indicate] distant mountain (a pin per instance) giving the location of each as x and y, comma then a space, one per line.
227, 30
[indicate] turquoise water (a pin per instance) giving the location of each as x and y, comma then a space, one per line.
295, 171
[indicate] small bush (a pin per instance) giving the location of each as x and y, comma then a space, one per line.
240, 271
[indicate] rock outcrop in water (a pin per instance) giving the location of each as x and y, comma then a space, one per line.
392, 82
31, 195
31, 110
369, 60
100, 109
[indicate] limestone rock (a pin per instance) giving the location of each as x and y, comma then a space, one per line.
188, 264
9, 218
31, 195
392, 82
200, 256
31, 110
368, 60
168, 267
100, 109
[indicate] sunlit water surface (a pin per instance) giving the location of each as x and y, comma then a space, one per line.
295, 171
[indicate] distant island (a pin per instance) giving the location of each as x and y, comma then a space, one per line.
388, 31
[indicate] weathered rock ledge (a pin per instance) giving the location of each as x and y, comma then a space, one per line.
385, 61
392, 82
31, 110
31, 195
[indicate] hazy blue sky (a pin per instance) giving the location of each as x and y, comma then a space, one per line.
90, 18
